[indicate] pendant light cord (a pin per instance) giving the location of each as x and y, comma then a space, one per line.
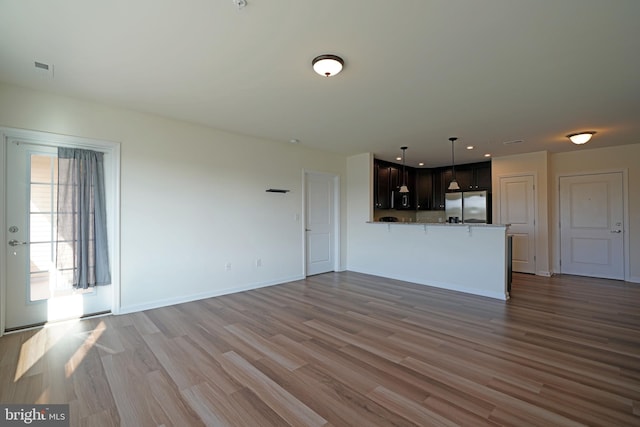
453, 158
403, 174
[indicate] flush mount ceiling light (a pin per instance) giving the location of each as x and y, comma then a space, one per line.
454, 184
327, 65
581, 137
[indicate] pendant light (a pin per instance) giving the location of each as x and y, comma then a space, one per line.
403, 188
454, 184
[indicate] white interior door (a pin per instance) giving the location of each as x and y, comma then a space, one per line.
320, 223
517, 207
34, 295
591, 225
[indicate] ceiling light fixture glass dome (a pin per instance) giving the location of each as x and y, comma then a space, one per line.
327, 65
581, 137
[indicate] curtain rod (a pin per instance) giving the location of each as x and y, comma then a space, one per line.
47, 139
94, 147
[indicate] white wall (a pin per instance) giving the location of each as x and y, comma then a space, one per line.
192, 198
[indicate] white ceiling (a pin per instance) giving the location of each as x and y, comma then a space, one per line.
416, 71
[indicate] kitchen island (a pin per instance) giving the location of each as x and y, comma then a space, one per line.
471, 258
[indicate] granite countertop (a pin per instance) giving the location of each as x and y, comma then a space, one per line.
441, 224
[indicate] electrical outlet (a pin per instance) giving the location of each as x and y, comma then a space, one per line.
227, 266
259, 262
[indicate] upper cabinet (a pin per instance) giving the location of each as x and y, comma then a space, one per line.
387, 180
441, 179
427, 186
483, 176
424, 189
382, 177
474, 176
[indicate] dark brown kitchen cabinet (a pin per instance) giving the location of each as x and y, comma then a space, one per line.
424, 189
474, 176
464, 177
427, 186
441, 179
483, 176
386, 186
382, 185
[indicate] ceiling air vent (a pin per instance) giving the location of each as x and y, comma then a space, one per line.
44, 70
515, 141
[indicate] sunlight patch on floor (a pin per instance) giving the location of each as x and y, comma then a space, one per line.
83, 349
33, 349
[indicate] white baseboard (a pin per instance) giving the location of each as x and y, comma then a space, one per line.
544, 273
633, 279
195, 297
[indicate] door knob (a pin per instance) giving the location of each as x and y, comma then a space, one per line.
616, 231
15, 242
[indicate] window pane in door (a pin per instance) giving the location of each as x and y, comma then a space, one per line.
40, 228
41, 200
40, 257
39, 286
41, 168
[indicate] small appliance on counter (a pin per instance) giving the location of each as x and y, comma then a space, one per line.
388, 219
468, 207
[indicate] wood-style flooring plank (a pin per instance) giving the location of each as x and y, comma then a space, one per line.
407, 408
344, 349
277, 398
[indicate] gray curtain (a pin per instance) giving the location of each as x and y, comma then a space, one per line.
82, 257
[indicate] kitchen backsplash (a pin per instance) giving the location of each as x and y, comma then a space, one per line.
430, 216
410, 216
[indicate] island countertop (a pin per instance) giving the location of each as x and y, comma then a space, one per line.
440, 224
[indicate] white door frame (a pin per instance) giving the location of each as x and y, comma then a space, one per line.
50, 139
336, 219
625, 213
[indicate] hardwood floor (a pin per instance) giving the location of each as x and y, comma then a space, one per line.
346, 349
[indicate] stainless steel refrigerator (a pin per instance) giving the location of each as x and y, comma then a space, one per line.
471, 207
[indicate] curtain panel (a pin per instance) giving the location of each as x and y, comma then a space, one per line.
82, 258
